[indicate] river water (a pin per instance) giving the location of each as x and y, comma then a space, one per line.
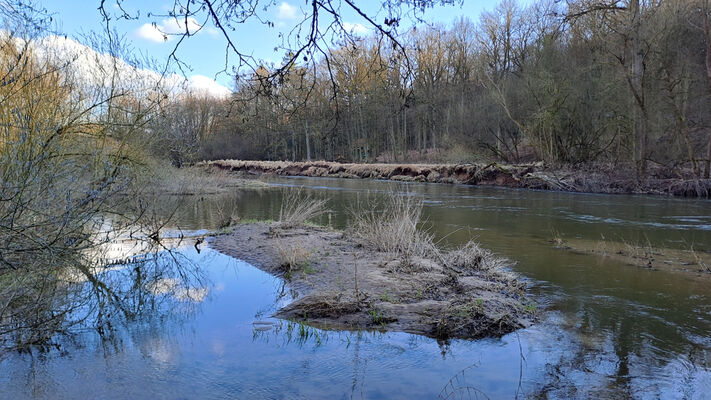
606, 329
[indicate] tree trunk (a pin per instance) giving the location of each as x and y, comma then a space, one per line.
707, 36
293, 145
404, 134
308, 145
637, 86
393, 146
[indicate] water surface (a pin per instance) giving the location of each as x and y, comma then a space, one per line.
607, 329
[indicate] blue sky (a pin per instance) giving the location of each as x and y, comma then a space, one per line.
204, 53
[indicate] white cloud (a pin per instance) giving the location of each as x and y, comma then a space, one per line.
202, 83
166, 29
151, 33
356, 28
177, 25
287, 12
212, 31
94, 69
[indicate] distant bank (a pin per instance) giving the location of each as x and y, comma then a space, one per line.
587, 179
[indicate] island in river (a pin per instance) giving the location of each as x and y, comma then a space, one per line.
342, 283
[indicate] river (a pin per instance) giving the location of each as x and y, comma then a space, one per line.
607, 329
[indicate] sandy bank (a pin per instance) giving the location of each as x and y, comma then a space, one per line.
342, 283
592, 179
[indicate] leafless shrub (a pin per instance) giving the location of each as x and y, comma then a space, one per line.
691, 188
69, 185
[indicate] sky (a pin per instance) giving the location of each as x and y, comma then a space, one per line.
204, 53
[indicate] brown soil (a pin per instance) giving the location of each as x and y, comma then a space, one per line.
590, 178
323, 267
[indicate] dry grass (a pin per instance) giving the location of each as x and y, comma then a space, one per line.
557, 239
703, 266
292, 258
199, 180
299, 207
472, 257
394, 228
226, 215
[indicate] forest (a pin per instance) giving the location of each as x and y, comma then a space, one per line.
624, 83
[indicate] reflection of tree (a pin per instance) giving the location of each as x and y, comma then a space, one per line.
638, 351
359, 367
158, 286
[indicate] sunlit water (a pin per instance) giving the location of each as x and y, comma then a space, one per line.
607, 330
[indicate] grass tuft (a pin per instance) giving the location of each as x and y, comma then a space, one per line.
298, 207
294, 258
394, 228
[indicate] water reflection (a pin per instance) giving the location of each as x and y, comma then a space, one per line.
608, 330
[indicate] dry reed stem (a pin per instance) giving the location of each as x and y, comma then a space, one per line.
394, 229
298, 207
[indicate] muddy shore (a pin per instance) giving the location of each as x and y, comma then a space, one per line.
340, 283
591, 179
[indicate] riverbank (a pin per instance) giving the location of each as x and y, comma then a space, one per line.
341, 282
198, 181
590, 179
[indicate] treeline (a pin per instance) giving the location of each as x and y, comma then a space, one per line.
624, 82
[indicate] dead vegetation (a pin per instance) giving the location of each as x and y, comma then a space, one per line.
298, 207
384, 273
392, 227
645, 255
199, 181
293, 257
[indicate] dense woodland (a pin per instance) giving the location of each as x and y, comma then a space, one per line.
620, 82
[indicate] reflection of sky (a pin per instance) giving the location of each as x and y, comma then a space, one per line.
218, 354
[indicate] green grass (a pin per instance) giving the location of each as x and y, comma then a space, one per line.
307, 269
530, 307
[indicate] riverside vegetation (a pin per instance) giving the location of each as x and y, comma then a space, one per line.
77, 164
383, 272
